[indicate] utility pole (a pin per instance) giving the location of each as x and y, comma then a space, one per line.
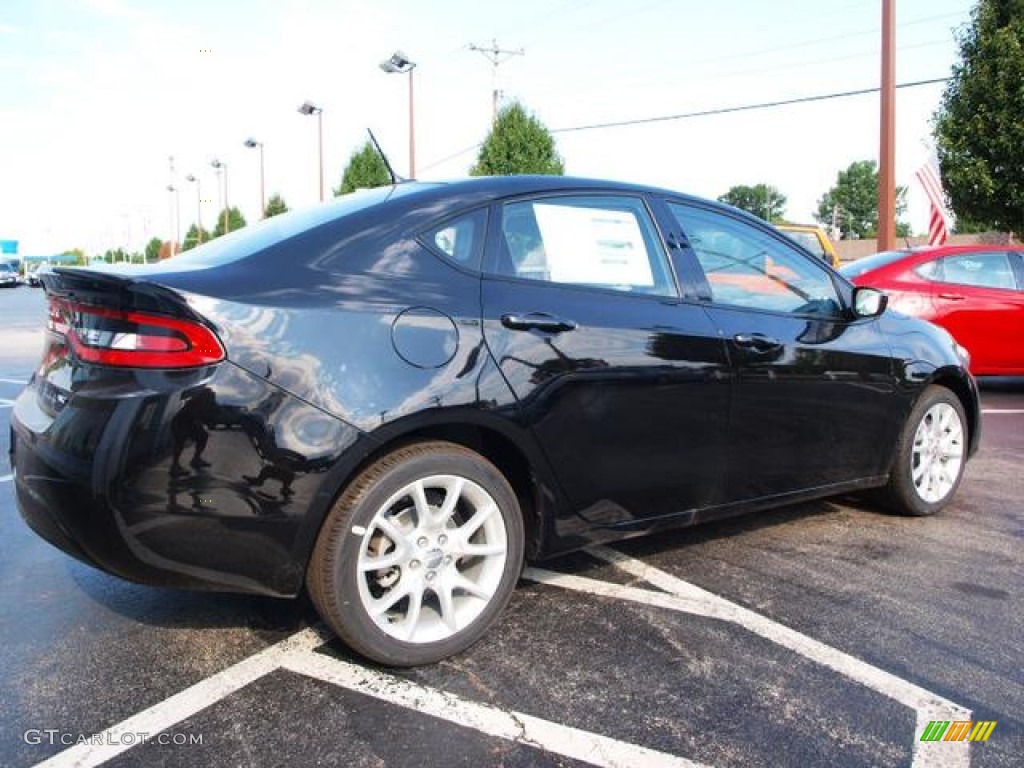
496, 56
887, 149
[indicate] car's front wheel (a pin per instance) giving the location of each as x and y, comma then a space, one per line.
419, 555
930, 455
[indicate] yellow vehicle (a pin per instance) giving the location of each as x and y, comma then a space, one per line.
814, 239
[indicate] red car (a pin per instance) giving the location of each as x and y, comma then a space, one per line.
976, 292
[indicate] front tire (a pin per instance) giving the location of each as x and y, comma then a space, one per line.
931, 454
419, 555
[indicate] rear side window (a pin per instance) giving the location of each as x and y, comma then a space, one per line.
607, 242
460, 240
984, 270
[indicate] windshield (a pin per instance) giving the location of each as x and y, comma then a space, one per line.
808, 240
868, 263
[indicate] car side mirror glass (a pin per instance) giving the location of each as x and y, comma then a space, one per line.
869, 302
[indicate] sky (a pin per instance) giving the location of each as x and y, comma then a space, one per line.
96, 96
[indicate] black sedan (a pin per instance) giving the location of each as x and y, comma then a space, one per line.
395, 398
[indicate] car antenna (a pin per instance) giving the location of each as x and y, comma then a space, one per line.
395, 178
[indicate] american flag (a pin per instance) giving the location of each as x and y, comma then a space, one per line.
928, 175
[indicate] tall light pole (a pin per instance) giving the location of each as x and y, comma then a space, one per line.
220, 166
251, 143
199, 207
174, 226
887, 149
309, 108
399, 63
175, 215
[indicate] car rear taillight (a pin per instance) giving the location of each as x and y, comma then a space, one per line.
133, 339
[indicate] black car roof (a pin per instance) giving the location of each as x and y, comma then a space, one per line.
501, 186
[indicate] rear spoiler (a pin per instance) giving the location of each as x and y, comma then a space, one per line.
114, 290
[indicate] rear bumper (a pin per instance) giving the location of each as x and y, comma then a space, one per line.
211, 479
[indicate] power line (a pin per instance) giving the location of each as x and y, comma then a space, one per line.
708, 113
586, 27
744, 107
809, 62
803, 64
630, 78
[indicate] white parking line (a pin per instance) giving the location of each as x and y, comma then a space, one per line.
5, 403
295, 654
927, 705
182, 705
6, 478
505, 724
1002, 410
14, 381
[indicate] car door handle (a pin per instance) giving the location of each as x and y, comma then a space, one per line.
952, 296
756, 341
538, 321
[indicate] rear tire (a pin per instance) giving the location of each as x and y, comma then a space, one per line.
419, 555
930, 455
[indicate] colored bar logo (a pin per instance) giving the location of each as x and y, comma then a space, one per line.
958, 730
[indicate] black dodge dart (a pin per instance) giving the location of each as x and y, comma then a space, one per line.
393, 399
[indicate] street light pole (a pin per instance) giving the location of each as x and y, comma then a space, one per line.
176, 215
399, 63
199, 207
309, 108
251, 143
174, 228
222, 166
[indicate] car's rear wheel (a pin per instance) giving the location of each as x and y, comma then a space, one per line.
419, 555
930, 455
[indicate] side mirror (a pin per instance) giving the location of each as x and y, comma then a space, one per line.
869, 302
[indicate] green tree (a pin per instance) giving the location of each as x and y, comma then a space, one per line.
761, 200
365, 170
193, 237
979, 132
153, 250
854, 202
966, 226
275, 206
518, 143
234, 218
81, 258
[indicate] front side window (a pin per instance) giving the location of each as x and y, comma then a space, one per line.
984, 270
746, 267
601, 242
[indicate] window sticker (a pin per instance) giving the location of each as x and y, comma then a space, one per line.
594, 246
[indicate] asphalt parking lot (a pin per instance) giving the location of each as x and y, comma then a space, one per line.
821, 634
